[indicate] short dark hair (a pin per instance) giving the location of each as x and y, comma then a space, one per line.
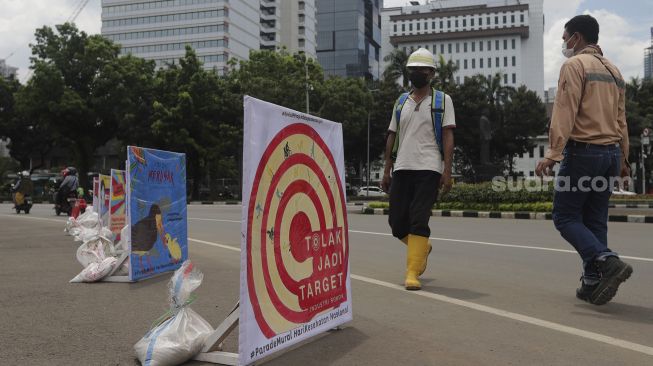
586, 25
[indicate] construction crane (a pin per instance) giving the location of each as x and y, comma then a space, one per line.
78, 9
71, 19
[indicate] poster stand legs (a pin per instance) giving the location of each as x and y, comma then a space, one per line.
119, 263
214, 341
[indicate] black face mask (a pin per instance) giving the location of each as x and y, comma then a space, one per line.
418, 79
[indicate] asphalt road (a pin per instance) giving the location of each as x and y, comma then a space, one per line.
497, 292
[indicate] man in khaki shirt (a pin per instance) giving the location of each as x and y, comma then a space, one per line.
589, 137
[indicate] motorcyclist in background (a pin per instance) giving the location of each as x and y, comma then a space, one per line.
69, 184
22, 188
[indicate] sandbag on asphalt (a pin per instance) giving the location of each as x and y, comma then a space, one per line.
181, 332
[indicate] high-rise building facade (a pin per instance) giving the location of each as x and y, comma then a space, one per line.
648, 60
159, 30
349, 37
290, 24
7, 71
479, 36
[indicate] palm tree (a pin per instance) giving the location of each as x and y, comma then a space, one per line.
397, 67
444, 74
496, 93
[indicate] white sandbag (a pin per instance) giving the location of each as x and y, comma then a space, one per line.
181, 336
95, 251
96, 271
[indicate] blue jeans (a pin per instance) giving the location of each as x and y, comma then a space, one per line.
580, 204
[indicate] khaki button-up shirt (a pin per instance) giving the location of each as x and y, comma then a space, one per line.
589, 105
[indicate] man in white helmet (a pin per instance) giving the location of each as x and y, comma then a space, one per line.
419, 153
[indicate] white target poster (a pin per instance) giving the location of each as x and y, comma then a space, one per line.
294, 281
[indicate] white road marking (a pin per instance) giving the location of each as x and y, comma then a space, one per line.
214, 220
34, 218
490, 310
223, 246
463, 241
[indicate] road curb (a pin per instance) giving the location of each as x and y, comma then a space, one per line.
640, 219
639, 205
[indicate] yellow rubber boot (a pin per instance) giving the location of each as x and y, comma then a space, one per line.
415, 260
405, 241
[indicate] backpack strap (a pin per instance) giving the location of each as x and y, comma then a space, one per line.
399, 104
437, 108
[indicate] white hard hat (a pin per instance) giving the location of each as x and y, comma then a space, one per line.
421, 58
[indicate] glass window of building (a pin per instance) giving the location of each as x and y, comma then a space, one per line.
426, 25
505, 44
473, 63
489, 45
457, 47
449, 47
498, 63
442, 48
480, 45
513, 43
514, 81
512, 18
505, 80
433, 25
464, 22
496, 19
465, 64
496, 45
410, 27
417, 25
441, 24
456, 23
480, 21
465, 47
514, 61
505, 61
480, 62
471, 22
395, 28
489, 62
521, 18
473, 46
448, 24
403, 27
505, 19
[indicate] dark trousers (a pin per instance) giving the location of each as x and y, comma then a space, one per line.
412, 196
580, 204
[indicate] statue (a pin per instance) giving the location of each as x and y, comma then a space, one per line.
485, 127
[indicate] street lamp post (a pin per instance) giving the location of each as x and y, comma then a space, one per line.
368, 145
307, 85
368, 153
646, 148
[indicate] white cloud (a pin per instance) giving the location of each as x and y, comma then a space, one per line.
20, 18
625, 51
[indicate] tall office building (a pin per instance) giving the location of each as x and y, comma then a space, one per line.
479, 36
349, 37
290, 24
159, 30
7, 71
648, 60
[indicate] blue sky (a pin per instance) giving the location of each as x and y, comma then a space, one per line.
624, 24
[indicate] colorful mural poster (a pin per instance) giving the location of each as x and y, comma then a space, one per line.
156, 201
118, 208
96, 194
104, 199
295, 280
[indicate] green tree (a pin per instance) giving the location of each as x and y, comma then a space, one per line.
349, 101
524, 118
187, 114
396, 69
81, 87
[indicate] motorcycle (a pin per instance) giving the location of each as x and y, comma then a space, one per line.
26, 206
67, 204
